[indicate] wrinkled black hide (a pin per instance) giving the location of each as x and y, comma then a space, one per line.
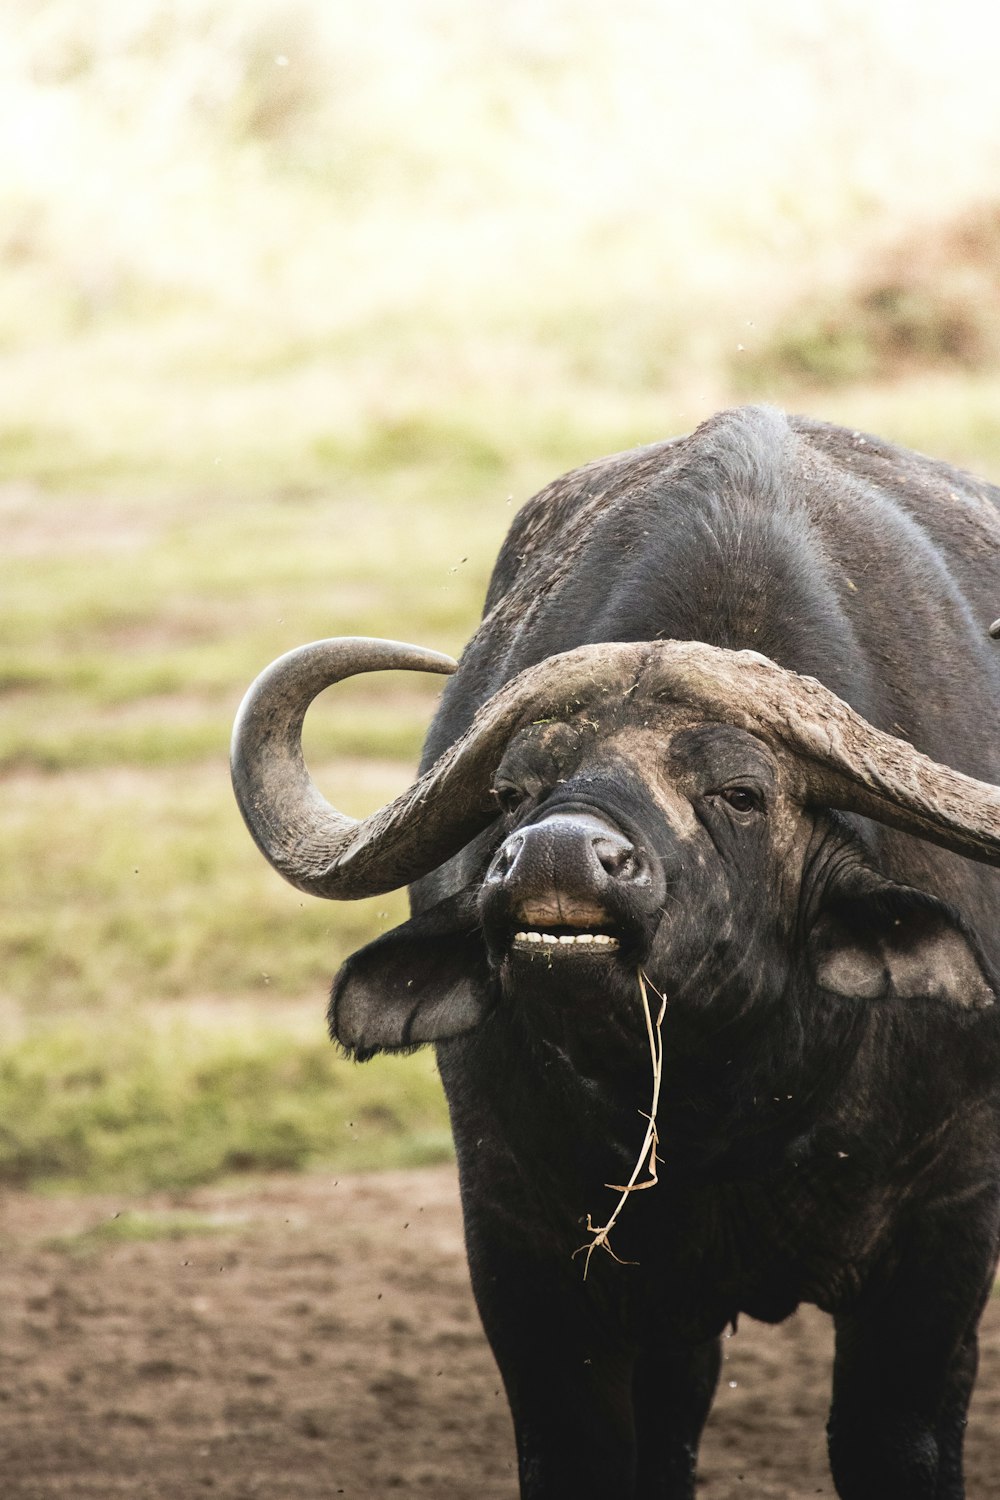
829, 1121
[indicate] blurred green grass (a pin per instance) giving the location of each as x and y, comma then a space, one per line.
294, 311
202, 1093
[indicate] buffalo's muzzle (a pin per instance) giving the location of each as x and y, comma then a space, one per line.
567, 883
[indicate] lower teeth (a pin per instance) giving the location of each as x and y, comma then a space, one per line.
601, 941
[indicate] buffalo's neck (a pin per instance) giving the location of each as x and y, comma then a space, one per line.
743, 1075
738, 1080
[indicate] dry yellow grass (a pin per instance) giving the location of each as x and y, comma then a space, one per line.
648, 1157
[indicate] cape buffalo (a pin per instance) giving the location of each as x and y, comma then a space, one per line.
726, 735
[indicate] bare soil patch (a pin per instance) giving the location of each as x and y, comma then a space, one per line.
310, 1337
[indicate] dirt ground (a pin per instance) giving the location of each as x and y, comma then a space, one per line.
311, 1337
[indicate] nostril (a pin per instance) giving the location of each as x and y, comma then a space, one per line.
503, 860
617, 857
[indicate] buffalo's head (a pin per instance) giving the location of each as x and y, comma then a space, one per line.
670, 806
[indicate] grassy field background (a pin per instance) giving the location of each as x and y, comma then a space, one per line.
297, 304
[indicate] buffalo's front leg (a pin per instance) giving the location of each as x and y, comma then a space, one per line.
592, 1415
903, 1375
951, 1422
890, 1440
672, 1392
568, 1377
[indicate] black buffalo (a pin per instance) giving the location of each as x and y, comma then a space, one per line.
700, 748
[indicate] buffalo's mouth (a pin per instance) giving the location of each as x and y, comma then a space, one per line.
571, 890
563, 943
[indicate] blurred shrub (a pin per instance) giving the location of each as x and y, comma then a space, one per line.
930, 300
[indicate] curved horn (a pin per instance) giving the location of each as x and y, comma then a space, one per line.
326, 853
847, 762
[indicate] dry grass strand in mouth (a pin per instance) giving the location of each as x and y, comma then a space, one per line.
647, 1154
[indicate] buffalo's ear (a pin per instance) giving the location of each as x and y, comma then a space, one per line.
874, 938
425, 981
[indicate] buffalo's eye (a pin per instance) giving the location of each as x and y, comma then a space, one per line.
509, 796
742, 799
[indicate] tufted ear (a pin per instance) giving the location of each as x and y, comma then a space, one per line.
424, 981
875, 939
